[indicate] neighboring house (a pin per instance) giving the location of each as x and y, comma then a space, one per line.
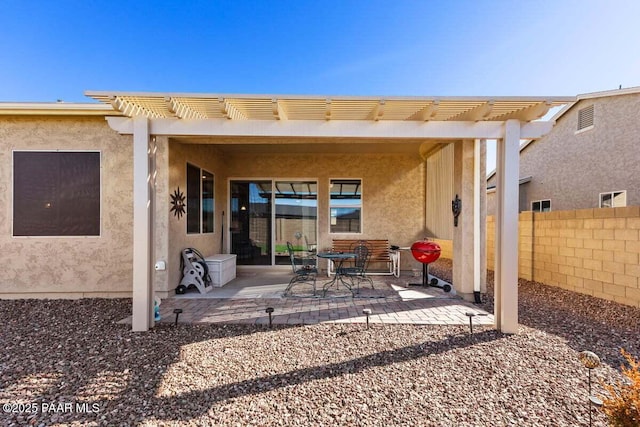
590, 159
93, 196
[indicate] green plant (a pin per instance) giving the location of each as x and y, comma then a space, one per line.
622, 407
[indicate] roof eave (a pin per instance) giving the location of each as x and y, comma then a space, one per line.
57, 109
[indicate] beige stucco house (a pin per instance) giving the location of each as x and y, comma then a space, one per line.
92, 193
589, 159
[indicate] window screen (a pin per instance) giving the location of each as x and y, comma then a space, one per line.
56, 193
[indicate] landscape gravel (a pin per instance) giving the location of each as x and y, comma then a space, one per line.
72, 352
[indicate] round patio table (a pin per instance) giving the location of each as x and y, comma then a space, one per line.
338, 258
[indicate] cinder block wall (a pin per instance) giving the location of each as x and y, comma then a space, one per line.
591, 251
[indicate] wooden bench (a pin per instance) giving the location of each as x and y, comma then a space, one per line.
380, 252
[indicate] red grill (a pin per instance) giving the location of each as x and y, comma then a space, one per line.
425, 252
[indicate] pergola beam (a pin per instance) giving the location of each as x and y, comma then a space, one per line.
385, 129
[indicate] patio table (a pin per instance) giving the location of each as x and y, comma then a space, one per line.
338, 258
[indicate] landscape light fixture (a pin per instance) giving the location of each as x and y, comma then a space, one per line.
367, 312
269, 310
590, 360
470, 315
177, 312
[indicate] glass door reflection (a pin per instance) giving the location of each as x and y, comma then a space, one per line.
295, 218
251, 222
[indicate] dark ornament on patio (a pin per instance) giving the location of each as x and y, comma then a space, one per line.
177, 203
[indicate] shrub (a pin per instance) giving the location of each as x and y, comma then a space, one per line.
622, 406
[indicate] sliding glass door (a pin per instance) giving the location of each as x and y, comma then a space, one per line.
251, 222
295, 217
267, 214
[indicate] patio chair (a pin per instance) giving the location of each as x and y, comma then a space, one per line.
358, 271
304, 270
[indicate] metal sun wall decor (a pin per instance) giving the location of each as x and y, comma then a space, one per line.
177, 203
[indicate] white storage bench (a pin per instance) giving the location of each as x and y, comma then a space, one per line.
222, 269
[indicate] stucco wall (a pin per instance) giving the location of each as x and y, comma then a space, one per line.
392, 190
69, 266
572, 168
161, 213
209, 158
393, 205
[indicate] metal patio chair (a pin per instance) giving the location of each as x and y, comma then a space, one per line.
357, 272
304, 270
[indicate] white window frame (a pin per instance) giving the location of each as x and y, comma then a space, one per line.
613, 195
361, 206
541, 202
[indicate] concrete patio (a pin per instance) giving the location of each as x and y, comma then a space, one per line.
391, 301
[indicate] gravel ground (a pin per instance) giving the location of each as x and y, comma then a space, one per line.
57, 353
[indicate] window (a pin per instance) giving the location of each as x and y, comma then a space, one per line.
585, 118
613, 199
56, 193
345, 206
541, 206
200, 200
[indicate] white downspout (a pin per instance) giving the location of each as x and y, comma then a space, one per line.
476, 218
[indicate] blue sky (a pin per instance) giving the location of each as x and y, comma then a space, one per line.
58, 49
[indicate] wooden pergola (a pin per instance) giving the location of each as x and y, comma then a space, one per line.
274, 119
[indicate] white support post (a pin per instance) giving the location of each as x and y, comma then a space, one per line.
506, 255
142, 315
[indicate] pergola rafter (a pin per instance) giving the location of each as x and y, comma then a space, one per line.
532, 112
338, 108
230, 111
476, 114
182, 110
